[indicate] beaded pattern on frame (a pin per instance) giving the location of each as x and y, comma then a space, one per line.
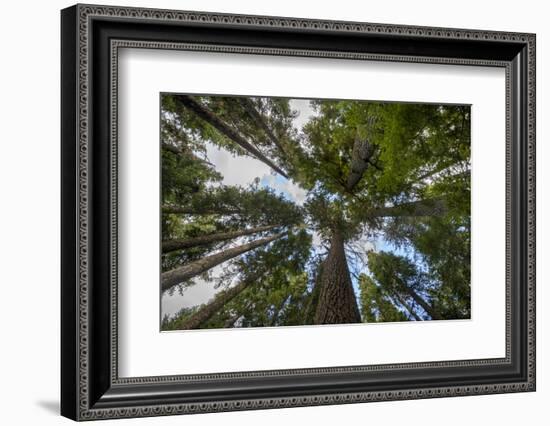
85, 12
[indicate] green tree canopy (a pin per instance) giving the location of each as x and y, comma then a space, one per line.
390, 175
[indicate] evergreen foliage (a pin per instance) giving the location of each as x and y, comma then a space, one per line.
388, 195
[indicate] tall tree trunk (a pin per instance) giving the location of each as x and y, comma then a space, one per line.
435, 171
337, 303
420, 301
429, 207
172, 148
207, 311
408, 307
183, 273
230, 322
225, 129
179, 151
313, 301
251, 110
463, 175
277, 310
199, 210
180, 244
360, 156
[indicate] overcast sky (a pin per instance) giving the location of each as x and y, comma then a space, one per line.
240, 171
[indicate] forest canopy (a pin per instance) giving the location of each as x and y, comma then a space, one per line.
282, 212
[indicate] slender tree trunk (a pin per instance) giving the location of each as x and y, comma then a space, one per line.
431, 173
361, 153
314, 297
207, 311
277, 311
436, 171
224, 128
430, 207
251, 110
183, 273
337, 303
231, 321
198, 210
420, 301
407, 307
180, 244
178, 151
172, 148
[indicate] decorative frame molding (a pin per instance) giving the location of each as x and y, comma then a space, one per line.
91, 37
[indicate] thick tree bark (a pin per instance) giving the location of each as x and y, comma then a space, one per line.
180, 244
360, 156
337, 303
431, 207
207, 311
251, 110
183, 273
224, 128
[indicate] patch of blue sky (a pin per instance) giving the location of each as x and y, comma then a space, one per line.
381, 244
285, 187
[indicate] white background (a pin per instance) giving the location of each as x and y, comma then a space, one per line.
29, 229
140, 343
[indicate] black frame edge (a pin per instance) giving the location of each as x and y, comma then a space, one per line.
69, 320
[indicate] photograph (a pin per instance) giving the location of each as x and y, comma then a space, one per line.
291, 212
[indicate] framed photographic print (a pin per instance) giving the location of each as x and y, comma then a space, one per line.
263, 212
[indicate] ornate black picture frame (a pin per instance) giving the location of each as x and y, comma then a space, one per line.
91, 36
